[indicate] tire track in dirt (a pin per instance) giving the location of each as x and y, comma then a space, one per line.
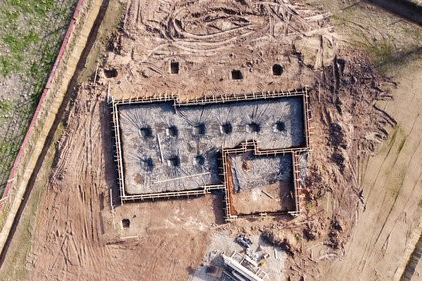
69, 243
382, 230
74, 153
164, 246
370, 246
386, 227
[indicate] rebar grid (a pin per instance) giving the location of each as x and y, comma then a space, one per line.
248, 144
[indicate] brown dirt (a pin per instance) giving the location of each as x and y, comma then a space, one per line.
255, 200
79, 237
237, 35
389, 226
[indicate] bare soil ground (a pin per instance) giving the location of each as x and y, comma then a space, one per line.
392, 179
78, 237
349, 200
390, 222
235, 36
255, 200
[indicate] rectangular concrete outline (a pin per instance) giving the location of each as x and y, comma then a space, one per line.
114, 104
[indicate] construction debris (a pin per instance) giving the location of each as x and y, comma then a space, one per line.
244, 241
243, 269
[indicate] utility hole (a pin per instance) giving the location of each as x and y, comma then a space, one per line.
280, 126
110, 73
147, 164
173, 161
125, 223
237, 74
146, 132
199, 160
199, 129
277, 70
253, 127
226, 128
172, 131
174, 67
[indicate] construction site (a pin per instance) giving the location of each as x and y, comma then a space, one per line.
223, 140
247, 146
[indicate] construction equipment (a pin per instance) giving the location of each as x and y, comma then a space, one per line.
240, 272
244, 241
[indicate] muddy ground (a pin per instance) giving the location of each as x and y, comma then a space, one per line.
363, 168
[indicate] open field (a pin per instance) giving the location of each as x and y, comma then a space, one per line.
390, 224
360, 198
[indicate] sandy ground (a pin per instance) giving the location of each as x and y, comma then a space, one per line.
255, 200
392, 181
77, 236
389, 224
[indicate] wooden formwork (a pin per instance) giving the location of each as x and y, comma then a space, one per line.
252, 145
296, 180
140, 100
226, 171
212, 99
228, 185
118, 150
173, 194
306, 118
